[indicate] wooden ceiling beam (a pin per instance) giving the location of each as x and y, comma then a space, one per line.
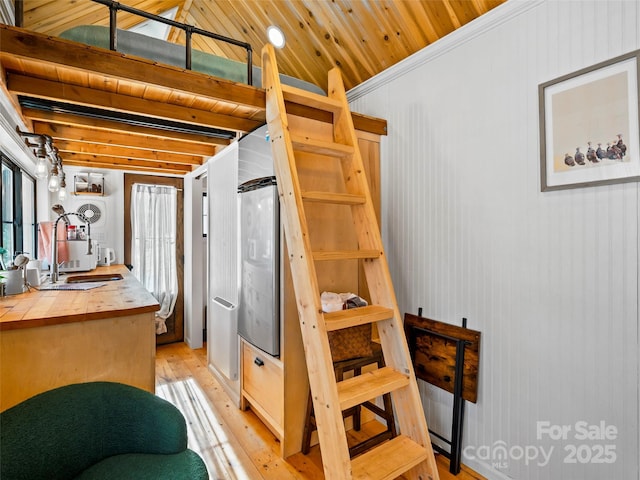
50, 50
121, 139
114, 126
100, 161
70, 147
50, 90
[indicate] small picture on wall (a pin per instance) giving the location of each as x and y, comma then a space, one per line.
589, 126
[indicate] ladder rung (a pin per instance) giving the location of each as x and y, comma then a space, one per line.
321, 255
310, 145
356, 316
330, 197
388, 460
310, 99
356, 390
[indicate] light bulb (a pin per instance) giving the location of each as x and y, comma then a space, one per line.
54, 183
42, 168
62, 194
276, 37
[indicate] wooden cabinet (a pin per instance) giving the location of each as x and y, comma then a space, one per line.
52, 338
263, 379
277, 391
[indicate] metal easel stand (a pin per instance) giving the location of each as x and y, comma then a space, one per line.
455, 443
454, 455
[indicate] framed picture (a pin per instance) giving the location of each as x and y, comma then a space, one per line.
589, 126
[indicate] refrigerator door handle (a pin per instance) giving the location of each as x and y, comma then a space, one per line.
224, 303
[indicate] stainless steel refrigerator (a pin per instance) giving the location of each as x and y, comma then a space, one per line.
259, 307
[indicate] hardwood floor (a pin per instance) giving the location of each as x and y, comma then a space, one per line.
235, 444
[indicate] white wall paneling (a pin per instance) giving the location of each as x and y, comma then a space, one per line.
222, 325
551, 279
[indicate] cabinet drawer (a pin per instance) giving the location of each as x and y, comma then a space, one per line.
263, 382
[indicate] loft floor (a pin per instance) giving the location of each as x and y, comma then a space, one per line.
235, 444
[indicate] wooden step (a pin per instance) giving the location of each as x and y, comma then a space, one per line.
388, 460
356, 390
356, 316
337, 198
310, 99
320, 147
324, 255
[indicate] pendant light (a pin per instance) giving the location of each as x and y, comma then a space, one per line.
62, 193
54, 179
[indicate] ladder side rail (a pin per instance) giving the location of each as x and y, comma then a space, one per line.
332, 435
409, 408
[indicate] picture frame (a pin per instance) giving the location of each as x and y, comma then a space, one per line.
589, 125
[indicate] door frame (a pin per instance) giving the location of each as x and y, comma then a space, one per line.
196, 268
177, 335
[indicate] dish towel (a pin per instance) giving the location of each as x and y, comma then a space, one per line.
45, 232
333, 302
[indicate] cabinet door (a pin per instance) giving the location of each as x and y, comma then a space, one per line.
263, 384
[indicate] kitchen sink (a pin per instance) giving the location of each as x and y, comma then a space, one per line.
104, 277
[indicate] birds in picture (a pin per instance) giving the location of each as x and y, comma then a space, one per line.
615, 151
591, 154
568, 160
621, 145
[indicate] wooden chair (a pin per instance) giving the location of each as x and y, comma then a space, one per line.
386, 412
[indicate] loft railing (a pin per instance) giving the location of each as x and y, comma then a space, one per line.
189, 30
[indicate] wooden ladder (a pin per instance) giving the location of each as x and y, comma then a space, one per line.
410, 453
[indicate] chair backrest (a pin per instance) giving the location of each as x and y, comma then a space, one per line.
60, 433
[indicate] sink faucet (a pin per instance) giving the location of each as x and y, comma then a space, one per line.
59, 210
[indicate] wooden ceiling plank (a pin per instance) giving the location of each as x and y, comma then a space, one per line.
54, 16
181, 16
110, 166
417, 25
464, 11
452, 14
50, 90
393, 43
219, 17
109, 125
375, 34
341, 35
94, 160
439, 17
70, 146
21, 43
104, 137
313, 31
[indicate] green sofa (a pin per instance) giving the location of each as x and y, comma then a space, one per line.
97, 430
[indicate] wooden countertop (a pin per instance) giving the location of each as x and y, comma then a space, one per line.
117, 298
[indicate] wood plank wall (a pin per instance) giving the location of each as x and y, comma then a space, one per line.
551, 279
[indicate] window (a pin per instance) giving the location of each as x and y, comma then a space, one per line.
18, 191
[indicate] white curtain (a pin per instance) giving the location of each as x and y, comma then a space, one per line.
153, 248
